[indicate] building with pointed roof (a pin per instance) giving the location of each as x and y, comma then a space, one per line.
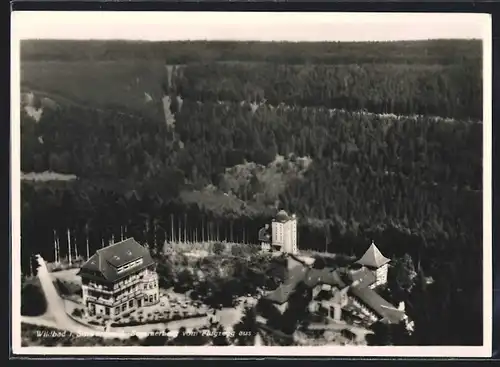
345, 288
118, 279
376, 263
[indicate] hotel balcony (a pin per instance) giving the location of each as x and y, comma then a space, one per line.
100, 300
149, 276
124, 284
114, 301
127, 284
129, 295
99, 288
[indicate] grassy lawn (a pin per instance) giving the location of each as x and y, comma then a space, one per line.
217, 270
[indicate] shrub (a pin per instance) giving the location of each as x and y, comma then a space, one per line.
77, 312
237, 250
153, 320
253, 249
218, 248
67, 288
348, 334
33, 301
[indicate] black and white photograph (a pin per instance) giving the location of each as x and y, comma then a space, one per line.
252, 184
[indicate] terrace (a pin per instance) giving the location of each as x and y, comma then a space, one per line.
171, 307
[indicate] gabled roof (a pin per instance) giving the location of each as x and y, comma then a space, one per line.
328, 276
295, 275
300, 272
105, 262
373, 258
386, 311
362, 278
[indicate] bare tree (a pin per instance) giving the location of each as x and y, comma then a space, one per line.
69, 247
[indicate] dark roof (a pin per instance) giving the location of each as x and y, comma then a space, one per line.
264, 234
281, 294
359, 281
294, 260
363, 277
299, 272
373, 258
329, 276
104, 263
296, 273
379, 305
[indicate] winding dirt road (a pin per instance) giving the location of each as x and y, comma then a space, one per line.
56, 316
56, 310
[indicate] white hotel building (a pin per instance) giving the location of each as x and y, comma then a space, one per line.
117, 279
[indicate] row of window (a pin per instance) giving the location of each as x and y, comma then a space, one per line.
96, 294
130, 265
151, 298
115, 286
123, 307
151, 285
127, 305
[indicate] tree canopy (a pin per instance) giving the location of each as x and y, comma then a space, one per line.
379, 141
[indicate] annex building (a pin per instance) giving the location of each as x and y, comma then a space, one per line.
351, 289
119, 278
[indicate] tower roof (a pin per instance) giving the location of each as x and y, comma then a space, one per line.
373, 258
282, 216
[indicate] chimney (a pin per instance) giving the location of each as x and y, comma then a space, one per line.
401, 306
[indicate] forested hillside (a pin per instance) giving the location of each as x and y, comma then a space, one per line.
354, 80
441, 52
362, 141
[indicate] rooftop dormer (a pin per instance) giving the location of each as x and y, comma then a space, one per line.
114, 261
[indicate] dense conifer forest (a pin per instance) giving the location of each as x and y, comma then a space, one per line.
363, 141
